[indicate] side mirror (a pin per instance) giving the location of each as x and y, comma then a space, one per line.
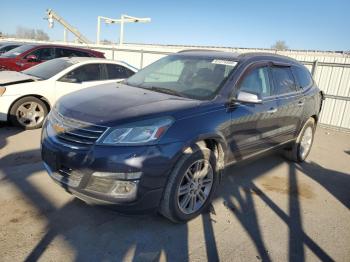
32, 58
246, 97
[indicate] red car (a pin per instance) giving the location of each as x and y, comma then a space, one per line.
26, 56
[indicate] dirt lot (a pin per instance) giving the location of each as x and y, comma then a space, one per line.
267, 209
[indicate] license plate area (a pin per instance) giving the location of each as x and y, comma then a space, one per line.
51, 158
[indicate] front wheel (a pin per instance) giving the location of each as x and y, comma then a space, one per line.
28, 113
302, 146
190, 186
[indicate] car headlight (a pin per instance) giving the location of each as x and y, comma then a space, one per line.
2, 90
141, 132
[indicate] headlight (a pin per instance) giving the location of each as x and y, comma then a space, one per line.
2, 90
139, 132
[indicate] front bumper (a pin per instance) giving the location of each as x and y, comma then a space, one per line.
5, 104
72, 169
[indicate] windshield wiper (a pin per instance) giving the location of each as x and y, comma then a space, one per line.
166, 91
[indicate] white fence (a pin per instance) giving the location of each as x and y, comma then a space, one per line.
331, 71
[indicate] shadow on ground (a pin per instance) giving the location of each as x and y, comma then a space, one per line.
147, 238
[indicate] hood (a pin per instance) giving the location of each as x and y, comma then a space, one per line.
11, 78
114, 104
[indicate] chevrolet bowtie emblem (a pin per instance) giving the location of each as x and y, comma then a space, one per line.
58, 128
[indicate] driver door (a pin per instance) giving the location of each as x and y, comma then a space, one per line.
254, 125
40, 54
82, 77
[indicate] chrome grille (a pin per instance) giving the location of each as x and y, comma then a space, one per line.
73, 132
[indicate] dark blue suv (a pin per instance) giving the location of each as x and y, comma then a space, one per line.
161, 139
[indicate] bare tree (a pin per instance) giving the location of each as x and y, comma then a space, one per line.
280, 45
106, 42
41, 35
28, 33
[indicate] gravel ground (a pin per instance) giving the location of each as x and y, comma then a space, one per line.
267, 209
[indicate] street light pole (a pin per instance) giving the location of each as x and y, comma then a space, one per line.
123, 19
121, 34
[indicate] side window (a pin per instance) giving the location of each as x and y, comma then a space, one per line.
64, 52
284, 80
80, 53
44, 54
8, 48
61, 52
118, 71
303, 76
90, 72
257, 82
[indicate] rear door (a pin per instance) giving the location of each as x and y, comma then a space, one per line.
254, 125
290, 102
81, 77
117, 72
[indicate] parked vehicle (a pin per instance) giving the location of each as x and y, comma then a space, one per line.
162, 139
7, 46
27, 96
26, 56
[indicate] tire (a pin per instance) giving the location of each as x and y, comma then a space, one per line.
173, 204
28, 113
302, 146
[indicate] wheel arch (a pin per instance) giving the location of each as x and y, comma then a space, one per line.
216, 143
42, 98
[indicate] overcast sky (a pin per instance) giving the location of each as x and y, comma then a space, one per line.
322, 25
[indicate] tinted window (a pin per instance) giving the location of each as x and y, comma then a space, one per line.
118, 71
17, 51
303, 76
284, 81
7, 48
90, 72
257, 82
44, 53
48, 69
63, 52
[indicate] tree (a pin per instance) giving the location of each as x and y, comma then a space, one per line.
28, 33
280, 45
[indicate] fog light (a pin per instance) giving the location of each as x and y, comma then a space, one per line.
125, 190
108, 185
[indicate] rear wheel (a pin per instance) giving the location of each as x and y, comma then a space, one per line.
28, 113
302, 146
191, 186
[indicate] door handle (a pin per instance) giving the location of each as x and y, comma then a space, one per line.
300, 103
272, 110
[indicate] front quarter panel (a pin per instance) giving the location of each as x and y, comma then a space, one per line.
213, 123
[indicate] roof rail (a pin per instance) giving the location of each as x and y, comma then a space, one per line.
197, 50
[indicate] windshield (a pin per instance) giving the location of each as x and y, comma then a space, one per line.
48, 69
17, 51
192, 77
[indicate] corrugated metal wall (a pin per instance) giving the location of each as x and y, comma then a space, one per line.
332, 73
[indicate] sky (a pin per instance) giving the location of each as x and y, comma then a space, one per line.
302, 24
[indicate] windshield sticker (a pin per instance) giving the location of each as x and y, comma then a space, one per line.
224, 62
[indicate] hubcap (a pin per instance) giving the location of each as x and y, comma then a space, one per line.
305, 143
195, 186
30, 114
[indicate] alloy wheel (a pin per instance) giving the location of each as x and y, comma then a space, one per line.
306, 141
195, 186
30, 114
